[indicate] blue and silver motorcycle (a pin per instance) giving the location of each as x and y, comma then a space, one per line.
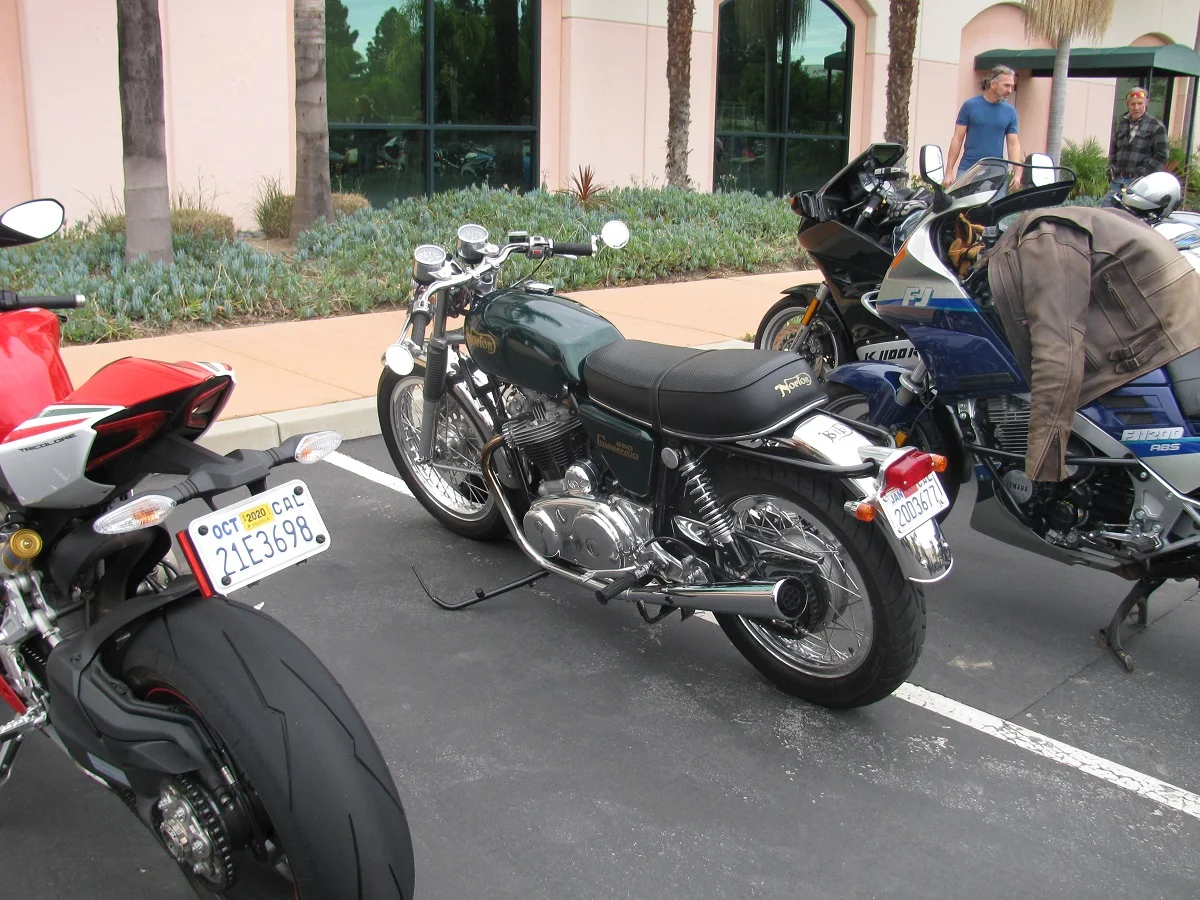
1131, 502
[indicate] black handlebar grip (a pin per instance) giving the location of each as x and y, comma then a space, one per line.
638, 576
74, 301
564, 249
420, 320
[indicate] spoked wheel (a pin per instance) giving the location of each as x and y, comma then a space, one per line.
450, 486
304, 806
821, 346
857, 625
924, 435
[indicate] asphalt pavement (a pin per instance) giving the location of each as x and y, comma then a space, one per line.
548, 747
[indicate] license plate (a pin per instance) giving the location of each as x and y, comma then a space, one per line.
241, 544
908, 512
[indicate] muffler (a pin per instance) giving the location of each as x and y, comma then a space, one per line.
783, 599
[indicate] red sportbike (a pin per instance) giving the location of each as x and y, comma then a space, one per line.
220, 730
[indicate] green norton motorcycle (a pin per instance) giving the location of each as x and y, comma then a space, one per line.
672, 478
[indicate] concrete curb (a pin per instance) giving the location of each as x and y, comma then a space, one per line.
352, 418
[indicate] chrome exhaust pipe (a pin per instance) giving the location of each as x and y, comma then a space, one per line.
755, 599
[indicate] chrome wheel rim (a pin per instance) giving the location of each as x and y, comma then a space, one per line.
453, 478
837, 635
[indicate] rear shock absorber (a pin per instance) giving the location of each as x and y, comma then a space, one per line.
698, 485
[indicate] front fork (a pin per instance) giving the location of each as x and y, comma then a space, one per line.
810, 313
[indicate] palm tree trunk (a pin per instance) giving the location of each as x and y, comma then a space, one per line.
1058, 98
902, 42
680, 16
143, 131
313, 199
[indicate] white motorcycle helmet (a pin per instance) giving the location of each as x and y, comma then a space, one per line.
1152, 196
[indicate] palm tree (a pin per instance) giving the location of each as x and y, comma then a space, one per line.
1060, 22
143, 131
902, 41
680, 16
313, 200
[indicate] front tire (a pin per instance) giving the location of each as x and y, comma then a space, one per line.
451, 487
863, 623
824, 348
322, 794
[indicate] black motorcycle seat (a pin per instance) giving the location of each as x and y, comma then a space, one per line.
1185, 379
720, 394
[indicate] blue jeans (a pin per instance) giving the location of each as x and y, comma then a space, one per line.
1114, 188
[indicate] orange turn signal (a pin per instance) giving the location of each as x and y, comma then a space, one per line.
939, 462
862, 510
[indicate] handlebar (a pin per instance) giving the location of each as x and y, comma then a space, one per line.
10, 301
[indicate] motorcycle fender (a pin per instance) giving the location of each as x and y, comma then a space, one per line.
103, 727
924, 555
879, 383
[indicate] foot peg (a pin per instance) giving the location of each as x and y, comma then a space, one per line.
636, 578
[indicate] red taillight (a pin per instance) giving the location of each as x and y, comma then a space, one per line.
118, 435
909, 470
205, 406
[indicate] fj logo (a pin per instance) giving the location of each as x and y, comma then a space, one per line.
917, 296
790, 384
1151, 434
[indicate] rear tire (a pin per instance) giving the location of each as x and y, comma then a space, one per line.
465, 506
297, 743
859, 586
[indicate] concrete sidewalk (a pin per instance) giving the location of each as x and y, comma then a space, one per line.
322, 373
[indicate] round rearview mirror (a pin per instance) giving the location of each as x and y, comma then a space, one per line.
1042, 172
615, 234
933, 167
36, 219
398, 358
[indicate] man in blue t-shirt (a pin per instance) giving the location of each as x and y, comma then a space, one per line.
986, 125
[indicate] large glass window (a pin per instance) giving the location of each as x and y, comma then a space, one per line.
783, 94
427, 95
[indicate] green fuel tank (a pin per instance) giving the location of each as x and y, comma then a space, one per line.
537, 341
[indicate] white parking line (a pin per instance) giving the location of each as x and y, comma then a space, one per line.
1147, 786
350, 464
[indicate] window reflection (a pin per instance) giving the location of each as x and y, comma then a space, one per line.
783, 81
386, 127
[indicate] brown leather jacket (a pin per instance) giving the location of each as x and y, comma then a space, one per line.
1091, 299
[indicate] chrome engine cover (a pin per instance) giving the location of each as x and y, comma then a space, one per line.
594, 532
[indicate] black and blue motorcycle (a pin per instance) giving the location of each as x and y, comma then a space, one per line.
1131, 503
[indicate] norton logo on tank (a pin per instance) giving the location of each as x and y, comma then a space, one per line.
483, 342
790, 384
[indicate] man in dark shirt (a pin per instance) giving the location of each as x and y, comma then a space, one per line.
986, 125
1138, 147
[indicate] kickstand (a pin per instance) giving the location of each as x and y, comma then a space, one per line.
8, 753
1139, 596
480, 593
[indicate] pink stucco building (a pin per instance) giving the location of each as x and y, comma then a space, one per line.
518, 92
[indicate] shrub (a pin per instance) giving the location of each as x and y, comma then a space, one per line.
583, 188
273, 208
1090, 164
362, 262
193, 222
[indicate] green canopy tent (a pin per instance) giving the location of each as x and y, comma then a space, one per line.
1140, 63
